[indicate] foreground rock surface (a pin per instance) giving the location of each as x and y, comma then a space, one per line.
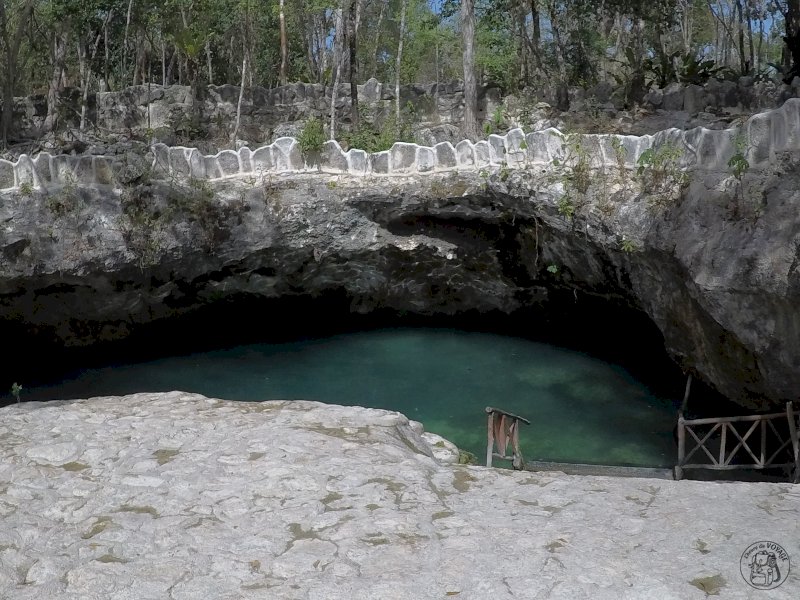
179, 496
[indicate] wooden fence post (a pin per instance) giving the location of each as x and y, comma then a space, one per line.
490, 444
795, 443
681, 449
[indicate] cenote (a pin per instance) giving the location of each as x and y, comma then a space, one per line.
582, 408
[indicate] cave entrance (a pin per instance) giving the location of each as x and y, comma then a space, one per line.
591, 379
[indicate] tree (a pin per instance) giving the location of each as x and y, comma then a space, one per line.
12, 27
400, 40
792, 38
284, 45
470, 125
352, 29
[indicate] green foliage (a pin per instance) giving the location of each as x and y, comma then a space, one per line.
738, 164
681, 67
15, 391
577, 160
67, 201
660, 173
497, 124
566, 207
372, 138
26, 188
552, 269
311, 137
466, 458
628, 246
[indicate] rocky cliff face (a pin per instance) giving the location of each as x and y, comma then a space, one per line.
667, 224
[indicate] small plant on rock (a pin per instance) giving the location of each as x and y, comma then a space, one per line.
566, 207
311, 137
26, 188
660, 173
628, 246
738, 164
15, 391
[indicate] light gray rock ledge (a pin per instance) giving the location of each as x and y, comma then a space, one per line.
179, 496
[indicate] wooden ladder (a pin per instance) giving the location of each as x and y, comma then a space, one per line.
503, 427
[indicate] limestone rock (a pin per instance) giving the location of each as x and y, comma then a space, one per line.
304, 500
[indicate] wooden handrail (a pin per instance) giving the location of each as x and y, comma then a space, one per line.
712, 420
721, 425
490, 410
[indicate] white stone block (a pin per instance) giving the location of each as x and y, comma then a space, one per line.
715, 148
402, 157
446, 157
426, 159
516, 148
497, 149
357, 162
24, 172
42, 165
228, 162
197, 164
178, 163
213, 170
759, 136
465, 154
483, 154
244, 160
332, 158
262, 160
289, 157
791, 113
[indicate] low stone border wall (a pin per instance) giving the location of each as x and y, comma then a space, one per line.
760, 138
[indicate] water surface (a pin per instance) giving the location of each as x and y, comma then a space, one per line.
581, 409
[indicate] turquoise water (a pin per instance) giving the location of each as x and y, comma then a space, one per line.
581, 409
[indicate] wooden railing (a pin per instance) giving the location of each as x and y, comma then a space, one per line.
761, 438
503, 427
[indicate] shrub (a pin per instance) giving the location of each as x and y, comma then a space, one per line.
311, 137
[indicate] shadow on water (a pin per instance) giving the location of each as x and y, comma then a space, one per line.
594, 379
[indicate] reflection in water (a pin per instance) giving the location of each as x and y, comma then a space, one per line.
582, 409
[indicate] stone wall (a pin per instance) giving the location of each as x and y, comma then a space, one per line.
266, 113
271, 113
761, 137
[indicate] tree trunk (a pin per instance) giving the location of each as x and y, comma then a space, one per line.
352, 29
84, 72
401, 37
284, 44
59, 54
740, 35
106, 83
377, 44
751, 49
337, 66
125, 42
239, 103
760, 41
11, 43
792, 38
562, 91
208, 64
470, 126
